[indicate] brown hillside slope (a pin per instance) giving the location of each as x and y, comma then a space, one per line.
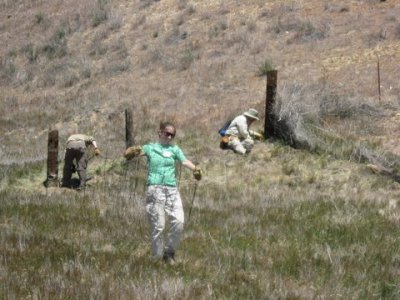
81, 63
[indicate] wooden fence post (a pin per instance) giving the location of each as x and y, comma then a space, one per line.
52, 159
129, 140
272, 78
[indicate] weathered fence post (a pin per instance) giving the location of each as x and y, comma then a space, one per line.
52, 159
129, 140
272, 77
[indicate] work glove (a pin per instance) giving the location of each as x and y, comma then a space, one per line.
257, 135
197, 173
132, 152
97, 152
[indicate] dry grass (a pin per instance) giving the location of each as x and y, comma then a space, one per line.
280, 223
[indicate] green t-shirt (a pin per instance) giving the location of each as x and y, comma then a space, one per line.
161, 161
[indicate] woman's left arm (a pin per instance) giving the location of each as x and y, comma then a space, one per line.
197, 172
188, 164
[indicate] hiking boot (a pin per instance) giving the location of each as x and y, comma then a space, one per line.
169, 258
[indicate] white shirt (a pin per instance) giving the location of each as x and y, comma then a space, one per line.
239, 127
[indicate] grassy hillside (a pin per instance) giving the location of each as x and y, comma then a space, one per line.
311, 222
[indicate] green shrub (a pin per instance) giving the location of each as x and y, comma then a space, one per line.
265, 68
56, 47
187, 57
31, 52
39, 17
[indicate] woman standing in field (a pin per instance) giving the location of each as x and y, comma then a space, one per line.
163, 196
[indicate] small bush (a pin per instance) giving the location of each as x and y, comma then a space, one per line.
56, 47
266, 66
187, 57
304, 31
217, 29
99, 15
118, 61
98, 18
335, 106
283, 25
175, 36
307, 31
375, 38
7, 71
97, 48
85, 68
238, 39
115, 21
31, 52
39, 18
113, 67
68, 79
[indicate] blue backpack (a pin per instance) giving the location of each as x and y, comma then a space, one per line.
223, 129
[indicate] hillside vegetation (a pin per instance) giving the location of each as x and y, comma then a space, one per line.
316, 218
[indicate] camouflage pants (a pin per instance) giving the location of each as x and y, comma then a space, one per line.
164, 201
240, 146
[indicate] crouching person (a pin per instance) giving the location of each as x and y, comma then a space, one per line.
240, 137
163, 198
76, 158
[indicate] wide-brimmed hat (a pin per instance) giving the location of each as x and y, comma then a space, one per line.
252, 113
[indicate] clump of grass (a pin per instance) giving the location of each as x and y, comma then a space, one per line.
115, 21
186, 59
238, 39
39, 17
69, 78
85, 67
304, 30
100, 13
376, 37
218, 29
97, 48
56, 47
307, 31
31, 52
117, 61
7, 70
285, 25
265, 67
58, 73
175, 36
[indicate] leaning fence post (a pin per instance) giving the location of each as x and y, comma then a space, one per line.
272, 77
52, 159
129, 140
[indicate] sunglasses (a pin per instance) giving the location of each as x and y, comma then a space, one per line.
168, 134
